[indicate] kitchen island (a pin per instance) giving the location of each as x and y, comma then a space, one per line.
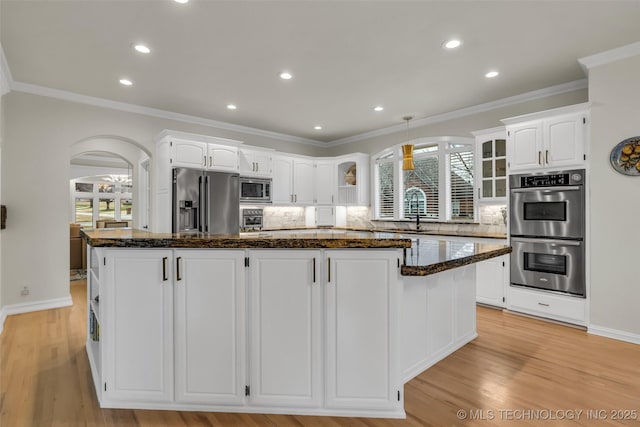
301, 323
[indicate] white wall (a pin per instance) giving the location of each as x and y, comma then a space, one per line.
40, 134
614, 91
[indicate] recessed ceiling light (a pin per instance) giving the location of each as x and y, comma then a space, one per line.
378, 108
142, 48
181, 1
491, 74
231, 106
285, 75
452, 44
317, 127
126, 82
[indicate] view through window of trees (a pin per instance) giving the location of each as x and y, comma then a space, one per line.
96, 200
440, 187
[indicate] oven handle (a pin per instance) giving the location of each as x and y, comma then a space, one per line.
554, 242
546, 189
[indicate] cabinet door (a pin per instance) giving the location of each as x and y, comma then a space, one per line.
282, 176
524, 146
363, 291
222, 158
285, 331
246, 163
188, 154
263, 163
209, 326
303, 181
564, 138
490, 281
138, 329
324, 182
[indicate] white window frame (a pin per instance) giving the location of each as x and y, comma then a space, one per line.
96, 195
444, 183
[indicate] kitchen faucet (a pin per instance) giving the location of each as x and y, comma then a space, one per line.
415, 195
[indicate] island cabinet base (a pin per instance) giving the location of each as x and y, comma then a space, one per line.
438, 317
305, 332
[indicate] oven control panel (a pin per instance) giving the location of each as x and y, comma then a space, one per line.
575, 177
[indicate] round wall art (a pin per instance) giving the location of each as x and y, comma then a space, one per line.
625, 157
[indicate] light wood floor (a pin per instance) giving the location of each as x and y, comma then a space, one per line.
517, 364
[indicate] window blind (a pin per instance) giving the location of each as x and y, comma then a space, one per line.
425, 179
385, 189
461, 181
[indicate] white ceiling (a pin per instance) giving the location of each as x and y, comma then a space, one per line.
346, 56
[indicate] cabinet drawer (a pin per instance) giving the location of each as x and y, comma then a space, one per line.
563, 308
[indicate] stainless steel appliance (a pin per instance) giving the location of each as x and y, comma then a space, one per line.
255, 190
205, 202
547, 212
252, 219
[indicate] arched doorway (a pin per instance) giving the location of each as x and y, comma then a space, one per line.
112, 172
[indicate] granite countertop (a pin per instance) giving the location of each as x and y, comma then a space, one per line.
423, 256
430, 256
128, 238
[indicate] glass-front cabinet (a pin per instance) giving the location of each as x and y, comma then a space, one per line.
491, 162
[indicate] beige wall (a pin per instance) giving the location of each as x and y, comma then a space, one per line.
614, 91
39, 133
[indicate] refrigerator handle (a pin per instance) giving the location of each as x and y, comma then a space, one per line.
207, 204
200, 204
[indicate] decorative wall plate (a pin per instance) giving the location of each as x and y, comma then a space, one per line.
625, 157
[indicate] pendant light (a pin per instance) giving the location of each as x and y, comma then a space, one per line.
407, 150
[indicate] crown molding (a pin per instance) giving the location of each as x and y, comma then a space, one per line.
6, 81
609, 56
154, 112
468, 111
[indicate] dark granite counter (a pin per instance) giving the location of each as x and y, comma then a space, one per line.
423, 256
429, 256
128, 238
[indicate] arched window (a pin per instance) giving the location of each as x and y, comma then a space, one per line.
440, 187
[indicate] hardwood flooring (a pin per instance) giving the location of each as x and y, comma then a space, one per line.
519, 371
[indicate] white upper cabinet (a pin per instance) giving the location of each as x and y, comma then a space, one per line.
547, 140
303, 181
255, 163
324, 182
222, 158
282, 188
491, 165
293, 180
188, 154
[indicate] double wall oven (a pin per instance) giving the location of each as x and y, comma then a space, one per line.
547, 227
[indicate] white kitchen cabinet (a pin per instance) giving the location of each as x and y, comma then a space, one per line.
188, 154
303, 181
324, 182
222, 158
293, 181
491, 165
547, 140
255, 163
210, 326
547, 304
137, 325
363, 293
492, 277
286, 332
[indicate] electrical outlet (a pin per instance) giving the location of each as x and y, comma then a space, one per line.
25, 291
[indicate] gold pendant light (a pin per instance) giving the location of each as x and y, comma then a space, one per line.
407, 150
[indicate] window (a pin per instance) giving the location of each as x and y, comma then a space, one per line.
97, 200
441, 187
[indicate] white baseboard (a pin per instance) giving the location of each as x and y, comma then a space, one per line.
27, 307
3, 315
614, 333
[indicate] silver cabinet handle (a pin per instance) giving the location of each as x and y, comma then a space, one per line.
478, 192
543, 304
539, 157
546, 156
547, 190
210, 161
178, 278
204, 161
291, 197
257, 167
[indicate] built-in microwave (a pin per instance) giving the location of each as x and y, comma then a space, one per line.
255, 190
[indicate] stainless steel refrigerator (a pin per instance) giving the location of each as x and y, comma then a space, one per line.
205, 202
